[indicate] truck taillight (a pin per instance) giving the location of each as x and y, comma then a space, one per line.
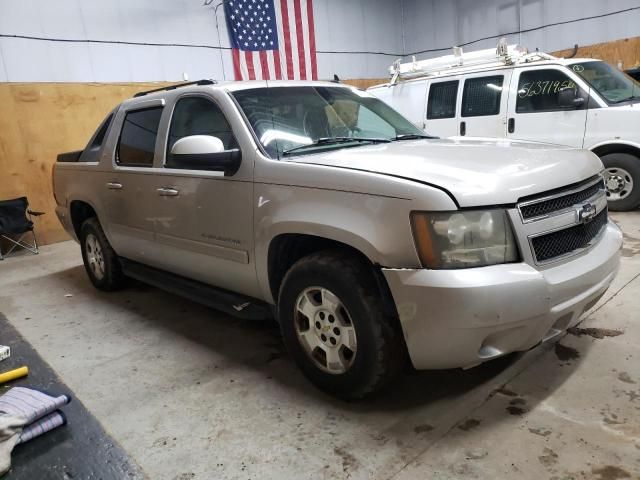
53, 184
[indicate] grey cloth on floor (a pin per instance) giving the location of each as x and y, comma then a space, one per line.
42, 425
25, 414
10, 430
29, 403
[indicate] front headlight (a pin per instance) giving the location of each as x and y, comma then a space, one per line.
463, 239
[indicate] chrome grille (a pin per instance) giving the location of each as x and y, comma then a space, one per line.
559, 202
562, 242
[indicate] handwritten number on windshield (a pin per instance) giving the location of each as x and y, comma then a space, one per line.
544, 87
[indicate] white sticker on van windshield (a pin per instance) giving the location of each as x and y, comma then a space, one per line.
578, 68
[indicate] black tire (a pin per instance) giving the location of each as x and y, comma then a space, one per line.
631, 166
112, 277
380, 351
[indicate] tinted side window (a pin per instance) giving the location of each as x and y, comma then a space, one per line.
442, 100
199, 116
538, 91
138, 137
481, 96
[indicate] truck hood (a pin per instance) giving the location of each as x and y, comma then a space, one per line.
476, 172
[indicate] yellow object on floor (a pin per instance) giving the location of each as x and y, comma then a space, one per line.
13, 374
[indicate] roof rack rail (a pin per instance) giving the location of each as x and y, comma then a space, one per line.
460, 61
173, 87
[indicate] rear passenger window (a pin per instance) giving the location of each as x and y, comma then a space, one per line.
98, 137
481, 96
442, 100
538, 91
199, 116
138, 137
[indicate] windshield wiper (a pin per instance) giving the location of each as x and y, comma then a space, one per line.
412, 136
335, 141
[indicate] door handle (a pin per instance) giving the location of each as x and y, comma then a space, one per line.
167, 192
114, 186
463, 128
511, 125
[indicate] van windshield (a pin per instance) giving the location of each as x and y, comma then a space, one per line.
612, 84
311, 119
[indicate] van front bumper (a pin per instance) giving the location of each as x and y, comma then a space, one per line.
460, 318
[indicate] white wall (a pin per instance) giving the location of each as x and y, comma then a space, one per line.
444, 23
340, 25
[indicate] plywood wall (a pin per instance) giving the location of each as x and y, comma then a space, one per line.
40, 120
625, 52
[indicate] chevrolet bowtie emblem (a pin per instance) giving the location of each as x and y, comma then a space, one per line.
586, 212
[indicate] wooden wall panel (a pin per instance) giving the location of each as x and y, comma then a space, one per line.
625, 51
40, 120
366, 82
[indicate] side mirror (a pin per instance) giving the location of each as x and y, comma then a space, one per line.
203, 152
568, 98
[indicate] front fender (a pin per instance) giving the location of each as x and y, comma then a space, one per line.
378, 227
613, 143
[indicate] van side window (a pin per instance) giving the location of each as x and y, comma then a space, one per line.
199, 116
481, 96
538, 91
442, 100
137, 141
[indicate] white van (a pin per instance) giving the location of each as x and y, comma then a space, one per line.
584, 103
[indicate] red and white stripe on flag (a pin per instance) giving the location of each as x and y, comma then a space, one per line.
295, 59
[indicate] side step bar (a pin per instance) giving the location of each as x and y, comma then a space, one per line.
234, 304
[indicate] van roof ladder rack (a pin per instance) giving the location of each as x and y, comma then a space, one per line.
177, 85
491, 57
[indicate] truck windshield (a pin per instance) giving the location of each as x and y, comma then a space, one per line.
614, 85
304, 120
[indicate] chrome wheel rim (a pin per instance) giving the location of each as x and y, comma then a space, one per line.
619, 183
325, 330
94, 256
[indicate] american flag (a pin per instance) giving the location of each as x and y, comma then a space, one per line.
272, 39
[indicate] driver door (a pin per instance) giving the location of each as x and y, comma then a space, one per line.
535, 112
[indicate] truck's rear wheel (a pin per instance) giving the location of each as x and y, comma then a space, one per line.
334, 325
622, 180
100, 261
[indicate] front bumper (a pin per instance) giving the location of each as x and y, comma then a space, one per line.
460, 318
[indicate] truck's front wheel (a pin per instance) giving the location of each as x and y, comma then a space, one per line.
622, 180
100, 261
334, 325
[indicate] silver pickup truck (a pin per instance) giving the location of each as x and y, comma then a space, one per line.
369, 241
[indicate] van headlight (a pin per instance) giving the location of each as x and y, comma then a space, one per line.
463, 239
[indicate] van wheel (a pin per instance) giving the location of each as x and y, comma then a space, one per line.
333, 323
622, 179
100, 261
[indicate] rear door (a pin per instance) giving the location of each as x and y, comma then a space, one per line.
483, 110
442, 102
126, 190
534, 110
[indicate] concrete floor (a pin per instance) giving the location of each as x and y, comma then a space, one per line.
193, 394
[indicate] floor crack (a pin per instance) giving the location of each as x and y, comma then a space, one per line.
614, 295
